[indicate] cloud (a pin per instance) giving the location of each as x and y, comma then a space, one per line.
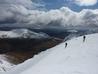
16, 11
13, 15
85, 2
26, 3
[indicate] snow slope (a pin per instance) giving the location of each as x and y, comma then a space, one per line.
77, 58
4, 64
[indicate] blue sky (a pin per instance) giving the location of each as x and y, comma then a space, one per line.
55, 4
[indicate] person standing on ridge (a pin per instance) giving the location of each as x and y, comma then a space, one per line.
84, 37
66, 45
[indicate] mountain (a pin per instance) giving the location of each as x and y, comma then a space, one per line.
22, 33
77, 58
20, 40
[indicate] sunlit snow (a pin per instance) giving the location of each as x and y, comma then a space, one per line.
77, 58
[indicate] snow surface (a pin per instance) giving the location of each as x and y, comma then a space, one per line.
4, 64
77, 58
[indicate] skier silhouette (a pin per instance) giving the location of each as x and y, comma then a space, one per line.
84, 37
66, 45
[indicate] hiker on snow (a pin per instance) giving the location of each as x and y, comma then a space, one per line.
84, 37
66, 45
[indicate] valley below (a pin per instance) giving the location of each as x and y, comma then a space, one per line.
16, 51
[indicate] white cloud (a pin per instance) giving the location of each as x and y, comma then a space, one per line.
86, 2
26, 3
19, 15
62, 17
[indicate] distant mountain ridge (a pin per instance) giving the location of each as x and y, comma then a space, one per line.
22, 33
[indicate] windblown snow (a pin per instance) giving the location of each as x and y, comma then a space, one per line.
77, 58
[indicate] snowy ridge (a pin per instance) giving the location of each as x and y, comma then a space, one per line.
77, 58
4, 65
22, 33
